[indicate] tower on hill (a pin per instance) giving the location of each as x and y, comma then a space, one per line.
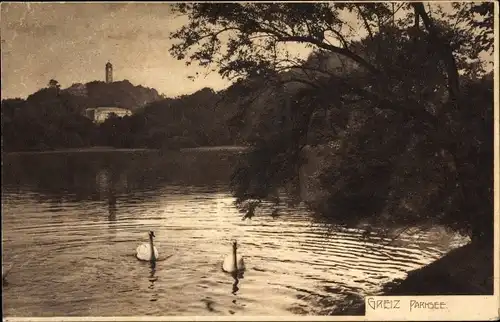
109, 73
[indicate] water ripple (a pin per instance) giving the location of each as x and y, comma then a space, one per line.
78, 255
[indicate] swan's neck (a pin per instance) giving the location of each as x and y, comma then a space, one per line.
153, 257
235, 260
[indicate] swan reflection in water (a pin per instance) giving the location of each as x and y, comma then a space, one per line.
152, 280
236, 276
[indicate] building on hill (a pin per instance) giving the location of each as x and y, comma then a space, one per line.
109, 72
101, 114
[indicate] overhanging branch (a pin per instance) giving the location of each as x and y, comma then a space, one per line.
443, 49
334, 49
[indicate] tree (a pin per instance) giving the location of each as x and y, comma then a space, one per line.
45, 121
53, 84
252, 41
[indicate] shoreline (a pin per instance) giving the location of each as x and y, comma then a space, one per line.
466, 270
112, 149
81, 150
234, 148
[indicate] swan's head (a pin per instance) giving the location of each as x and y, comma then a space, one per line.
234, 243
151, 234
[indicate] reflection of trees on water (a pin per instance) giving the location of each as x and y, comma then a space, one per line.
107, 182
112, 205
102, 179
104, 176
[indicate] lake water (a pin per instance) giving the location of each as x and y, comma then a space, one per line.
71, 223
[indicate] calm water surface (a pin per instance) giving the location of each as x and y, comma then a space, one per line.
71, 223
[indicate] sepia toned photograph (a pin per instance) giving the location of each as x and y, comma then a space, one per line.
239, 160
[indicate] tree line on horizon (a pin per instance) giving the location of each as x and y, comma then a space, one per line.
54, 118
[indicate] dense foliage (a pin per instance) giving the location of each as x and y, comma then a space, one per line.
54, 118
403, 111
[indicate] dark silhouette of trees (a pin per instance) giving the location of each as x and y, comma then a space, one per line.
409, 144
121, 93
50, 120
54, 84
43, 121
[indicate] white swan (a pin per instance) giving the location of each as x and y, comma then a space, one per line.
233, 262
147, 251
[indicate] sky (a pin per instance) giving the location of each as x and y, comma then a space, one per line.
71, 42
